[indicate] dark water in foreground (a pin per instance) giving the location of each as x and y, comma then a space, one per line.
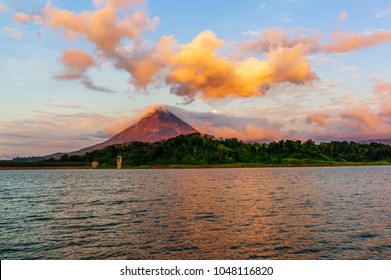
276, 213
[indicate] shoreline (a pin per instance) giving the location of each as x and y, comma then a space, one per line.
45, 168
184, 166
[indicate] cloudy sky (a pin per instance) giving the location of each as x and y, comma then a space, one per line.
74, 73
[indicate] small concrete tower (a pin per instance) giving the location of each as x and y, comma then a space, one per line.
119, 162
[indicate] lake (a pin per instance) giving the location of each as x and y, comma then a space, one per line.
235, 213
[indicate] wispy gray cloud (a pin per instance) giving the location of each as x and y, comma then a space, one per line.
86, 81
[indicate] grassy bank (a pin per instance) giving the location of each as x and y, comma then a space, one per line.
44, 168
228, 165
258, 165
12, 165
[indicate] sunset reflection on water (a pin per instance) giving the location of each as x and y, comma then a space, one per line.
274, 213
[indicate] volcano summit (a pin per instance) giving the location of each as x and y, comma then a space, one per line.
158, 124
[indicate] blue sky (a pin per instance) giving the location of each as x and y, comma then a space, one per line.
281, 69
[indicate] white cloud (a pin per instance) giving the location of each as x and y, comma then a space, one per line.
262, 6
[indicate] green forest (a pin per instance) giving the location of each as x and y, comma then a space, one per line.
205, 150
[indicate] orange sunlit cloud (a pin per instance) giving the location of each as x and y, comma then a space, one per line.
144, 65
77, 59
341, 42
386, 108
197, 67
103, 27
193, 68
76, 62
382, 88
349, 41
383, 91
246, 132
273, 38
363, 114
23, 18
319, 119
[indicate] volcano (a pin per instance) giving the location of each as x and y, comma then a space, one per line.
157, 125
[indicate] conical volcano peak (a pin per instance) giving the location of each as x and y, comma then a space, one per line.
154, 124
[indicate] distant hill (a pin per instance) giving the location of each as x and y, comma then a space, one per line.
382, 141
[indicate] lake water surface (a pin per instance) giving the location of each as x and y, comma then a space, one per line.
248, 213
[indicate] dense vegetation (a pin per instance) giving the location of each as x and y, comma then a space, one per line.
203, 150
42, 164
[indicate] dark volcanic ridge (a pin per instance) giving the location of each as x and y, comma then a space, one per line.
160, 124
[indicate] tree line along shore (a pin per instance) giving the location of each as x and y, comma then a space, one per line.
196, 150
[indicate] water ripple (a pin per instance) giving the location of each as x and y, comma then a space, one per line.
270, 213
